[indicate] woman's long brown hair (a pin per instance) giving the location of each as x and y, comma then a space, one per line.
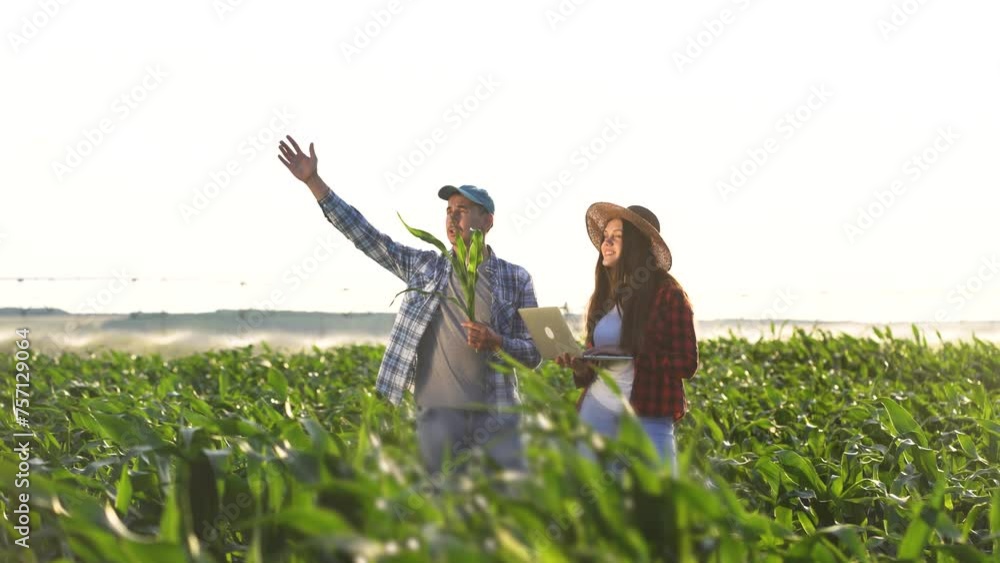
631, 284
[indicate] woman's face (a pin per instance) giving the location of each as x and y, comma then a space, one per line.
611, 248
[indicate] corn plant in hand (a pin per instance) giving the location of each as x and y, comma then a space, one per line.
465, 261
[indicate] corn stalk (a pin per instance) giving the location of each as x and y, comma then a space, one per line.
465, 261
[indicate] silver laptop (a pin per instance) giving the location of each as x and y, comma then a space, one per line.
550, 332
552, 335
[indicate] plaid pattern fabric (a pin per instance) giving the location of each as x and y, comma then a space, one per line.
512, 289
669, 355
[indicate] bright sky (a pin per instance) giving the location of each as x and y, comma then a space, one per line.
807, 160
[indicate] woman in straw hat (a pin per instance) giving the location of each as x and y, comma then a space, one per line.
637, 309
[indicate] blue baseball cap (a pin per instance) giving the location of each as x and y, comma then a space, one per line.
474, 194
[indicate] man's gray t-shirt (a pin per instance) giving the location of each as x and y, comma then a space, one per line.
450, 373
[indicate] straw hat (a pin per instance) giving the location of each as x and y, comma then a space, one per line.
643, 219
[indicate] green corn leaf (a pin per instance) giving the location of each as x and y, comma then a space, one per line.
307, 520
171, 528
124, 493
469, 288
918, 533
475, 259
223, 384
361, 447
470, 302
481, 241
462, 255
277, 381
159, 552
418, 290
995, 520
475, 253
407, 290
712, 428
802, 468
459, 264
968, 446
990, 426
960, 552
770, 473
903, 421
465, 262
783, 515
128, 432
469, 311
905, 424
424, 236
970, 519
807, 525
848, 537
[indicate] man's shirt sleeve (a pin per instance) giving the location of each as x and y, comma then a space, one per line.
519, 343
398, 258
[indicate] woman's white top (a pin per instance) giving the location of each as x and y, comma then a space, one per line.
608, 332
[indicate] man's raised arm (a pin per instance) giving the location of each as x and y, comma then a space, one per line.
399, 259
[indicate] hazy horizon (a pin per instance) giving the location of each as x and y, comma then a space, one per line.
43, 313
172, 334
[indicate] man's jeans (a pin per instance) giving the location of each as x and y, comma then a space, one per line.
443, 431
659, 429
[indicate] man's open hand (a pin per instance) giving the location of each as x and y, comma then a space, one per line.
301, 166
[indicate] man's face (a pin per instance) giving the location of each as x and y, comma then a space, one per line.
462, 216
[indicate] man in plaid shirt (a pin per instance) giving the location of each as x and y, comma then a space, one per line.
462, 401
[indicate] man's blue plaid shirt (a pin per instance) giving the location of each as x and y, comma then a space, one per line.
429, 270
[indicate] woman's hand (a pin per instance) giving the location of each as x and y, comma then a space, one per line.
583, 372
